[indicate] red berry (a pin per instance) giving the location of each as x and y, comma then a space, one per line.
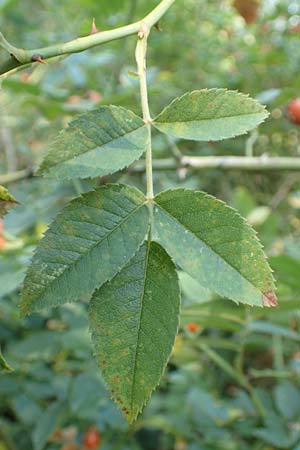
294, 111
193, 327
92, 439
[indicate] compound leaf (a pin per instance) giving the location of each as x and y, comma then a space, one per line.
214, 244
97, 143
134, 321
86, 245
210, 115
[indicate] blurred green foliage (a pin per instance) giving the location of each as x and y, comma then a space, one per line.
234, 382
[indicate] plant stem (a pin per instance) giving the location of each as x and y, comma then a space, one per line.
20, 57
239, 377
258, 164
270, 373
242, 163
140, 54
12, 177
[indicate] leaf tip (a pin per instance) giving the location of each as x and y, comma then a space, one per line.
129, 415
270, 299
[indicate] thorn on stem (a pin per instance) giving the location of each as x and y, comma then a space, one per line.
94, 29
37, 58
144, 31
158, 27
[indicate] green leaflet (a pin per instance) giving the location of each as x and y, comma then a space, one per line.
86, 245
49, 421
98, 143
6, 201
134, 320
3, 364
210, 115
212, 243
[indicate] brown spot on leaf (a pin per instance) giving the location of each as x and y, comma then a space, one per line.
104, 364
270, 299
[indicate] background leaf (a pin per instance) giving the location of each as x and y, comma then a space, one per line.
6, 201
3, 364
210, 115
11, 275
85, 246
212, 243
47, 424
287, 399
97, 143
134, 320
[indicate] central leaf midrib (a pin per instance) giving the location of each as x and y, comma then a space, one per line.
208, 246
208, 120
96, 146
140, 322
71, 266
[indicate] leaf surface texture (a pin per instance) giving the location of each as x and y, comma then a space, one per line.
210, 115
214, 244
134, 321
86, 245
97, 143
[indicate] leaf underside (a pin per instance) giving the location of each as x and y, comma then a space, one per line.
97, 143
214, 244
86, 245
134, 321
210, 115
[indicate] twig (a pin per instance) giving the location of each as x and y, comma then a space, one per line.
20, 57
238, 377
261, 163
242, 163
9, 178
283, 191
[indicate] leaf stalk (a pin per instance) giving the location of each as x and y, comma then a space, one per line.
140, 55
